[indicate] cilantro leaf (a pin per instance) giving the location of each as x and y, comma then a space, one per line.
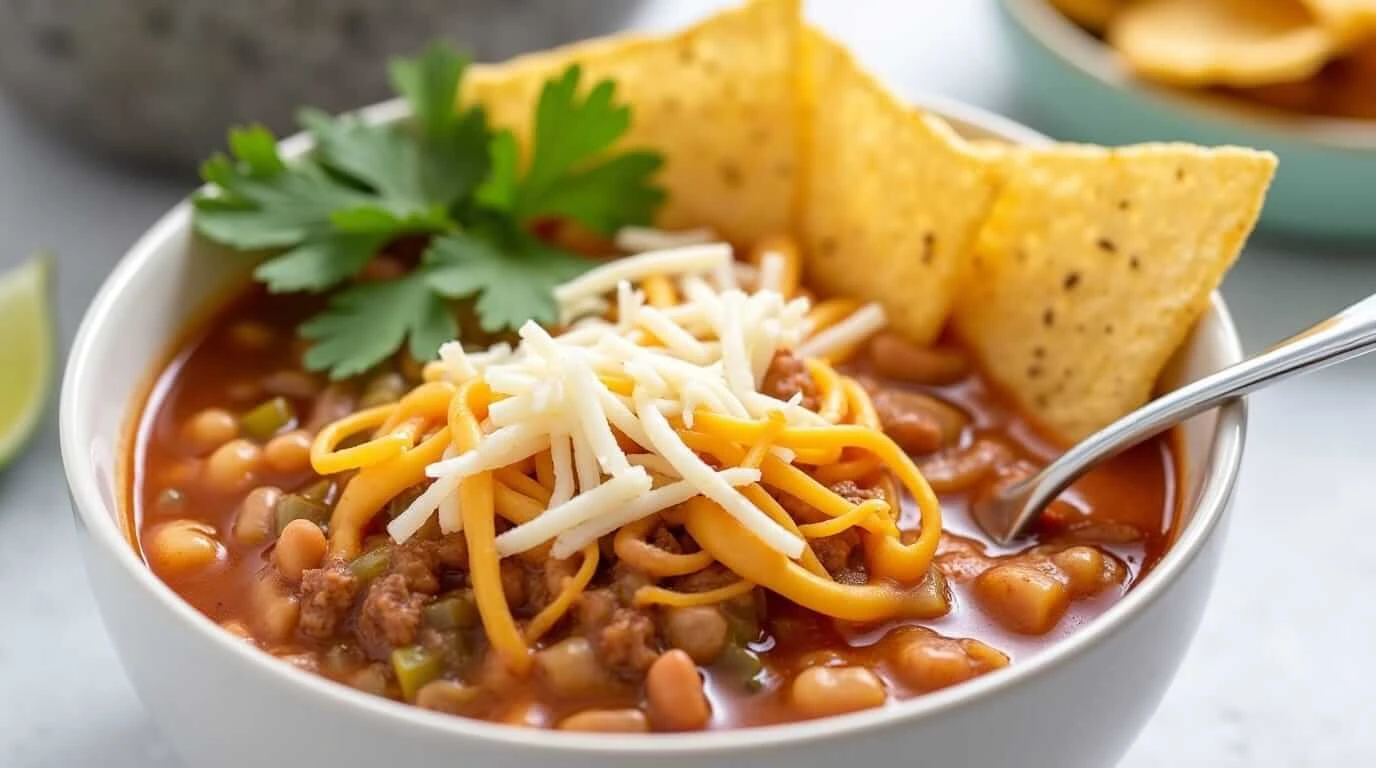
443, 174
503, 184
375, 219
366, 323
320, 263
609, 195
454, 142
511, 274
378, 157
254, 201
569, 174
568, 132
256, 148
430, 83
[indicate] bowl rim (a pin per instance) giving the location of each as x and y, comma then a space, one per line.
80, 383
1091, 57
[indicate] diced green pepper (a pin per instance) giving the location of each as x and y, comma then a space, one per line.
384, 388
294, 506
371, 564
414, 666
740, 663
321, 492
454, 611
267, 419
744, 625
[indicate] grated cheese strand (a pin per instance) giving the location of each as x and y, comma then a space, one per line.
860, 325
588, 394
710, 484
635, 481
641, 239
561, 455
689, 259
657, 500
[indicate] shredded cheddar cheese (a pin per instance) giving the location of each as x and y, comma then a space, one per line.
651, 415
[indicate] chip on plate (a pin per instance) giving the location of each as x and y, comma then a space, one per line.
1352, 20
1093, 266
1093, 15
716, 99
1222, 42
891, 197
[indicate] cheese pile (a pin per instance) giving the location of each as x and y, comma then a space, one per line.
708, 353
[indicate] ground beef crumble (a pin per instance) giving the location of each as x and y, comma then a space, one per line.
624, 638
389, 616
421, 562
788, 376
327, 595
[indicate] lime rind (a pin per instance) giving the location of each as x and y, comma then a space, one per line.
26, 352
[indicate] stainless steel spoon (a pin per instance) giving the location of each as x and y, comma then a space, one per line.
1352, 332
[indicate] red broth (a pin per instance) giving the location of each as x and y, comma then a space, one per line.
247, 351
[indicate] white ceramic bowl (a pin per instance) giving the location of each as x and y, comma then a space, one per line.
220, 702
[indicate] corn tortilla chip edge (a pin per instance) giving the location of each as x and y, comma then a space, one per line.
815, 220
974, 299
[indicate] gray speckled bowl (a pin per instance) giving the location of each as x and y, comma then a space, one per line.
160, 80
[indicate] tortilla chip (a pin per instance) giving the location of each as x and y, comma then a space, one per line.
1093, 15
1093, 266
717, 99
1352, 20
1222, 42
892, 198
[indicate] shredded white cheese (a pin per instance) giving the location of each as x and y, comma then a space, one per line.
771, 276
691, 259
862, 323
568, 394
635, 481
640, 239
659, 499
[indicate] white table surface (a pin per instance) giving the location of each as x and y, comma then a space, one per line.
1280, 674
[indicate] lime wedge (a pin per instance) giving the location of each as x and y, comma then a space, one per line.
26, 351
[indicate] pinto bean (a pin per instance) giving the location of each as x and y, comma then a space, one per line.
301, 546
1087, 569
927, 661
209, 429
232, 465
822, 691
570, 668
960, 469
275, 610
895, 357
1022, 598
917, 422
451, 697
289, 452
700, 630
606, 721
254, 521
183, 546
674, 692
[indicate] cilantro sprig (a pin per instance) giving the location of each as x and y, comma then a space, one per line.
445, 176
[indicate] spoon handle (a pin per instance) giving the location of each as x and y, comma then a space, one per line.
1346, 335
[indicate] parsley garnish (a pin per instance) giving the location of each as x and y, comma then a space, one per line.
443, 175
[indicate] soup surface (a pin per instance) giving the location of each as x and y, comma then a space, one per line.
228, 511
